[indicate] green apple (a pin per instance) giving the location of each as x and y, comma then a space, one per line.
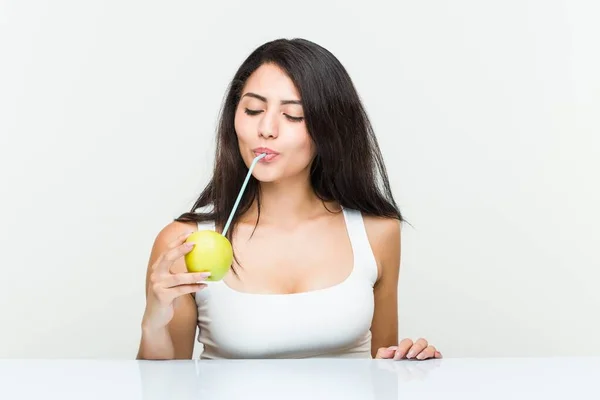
212, 253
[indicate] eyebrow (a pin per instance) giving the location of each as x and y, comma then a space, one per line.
264, 99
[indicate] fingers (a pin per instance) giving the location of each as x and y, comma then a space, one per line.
177, 249
386, 352
184, 278
180, 240
417, 348
167, 296
403, 348
185, 289
167, 287
428, 352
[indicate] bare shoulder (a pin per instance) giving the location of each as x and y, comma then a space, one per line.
174, 229
384, 236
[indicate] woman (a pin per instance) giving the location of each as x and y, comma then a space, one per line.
316, 236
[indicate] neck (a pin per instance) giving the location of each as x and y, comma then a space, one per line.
285, 203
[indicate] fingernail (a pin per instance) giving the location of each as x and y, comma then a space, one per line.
421, 356
205, 274
410, 354
189, 245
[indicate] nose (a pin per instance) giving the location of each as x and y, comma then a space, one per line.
268, 127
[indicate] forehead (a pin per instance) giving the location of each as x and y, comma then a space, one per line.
271, 82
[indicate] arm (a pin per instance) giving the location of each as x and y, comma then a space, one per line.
384, 236
176, 340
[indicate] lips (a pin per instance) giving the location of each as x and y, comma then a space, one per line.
271, 154
260, 150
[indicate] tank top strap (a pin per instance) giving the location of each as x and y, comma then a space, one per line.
364, 259
205, 225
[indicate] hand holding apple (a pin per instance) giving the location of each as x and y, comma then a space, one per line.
164, 286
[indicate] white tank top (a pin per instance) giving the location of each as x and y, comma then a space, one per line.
329, 322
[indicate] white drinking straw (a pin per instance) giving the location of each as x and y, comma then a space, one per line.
237, 202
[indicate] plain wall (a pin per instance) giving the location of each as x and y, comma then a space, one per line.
487, 113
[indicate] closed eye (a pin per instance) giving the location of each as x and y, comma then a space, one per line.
294, 119
289, 117
252, 112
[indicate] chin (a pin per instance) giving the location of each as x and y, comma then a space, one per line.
266, 176
275, 171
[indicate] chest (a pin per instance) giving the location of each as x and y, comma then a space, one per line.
235, 324
276, 261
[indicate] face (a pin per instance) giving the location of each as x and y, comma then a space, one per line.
270, 118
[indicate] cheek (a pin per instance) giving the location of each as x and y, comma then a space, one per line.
304, 147
243, 126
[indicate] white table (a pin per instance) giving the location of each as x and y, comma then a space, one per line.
476, 378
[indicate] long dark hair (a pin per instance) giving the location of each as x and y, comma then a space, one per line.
348, 167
